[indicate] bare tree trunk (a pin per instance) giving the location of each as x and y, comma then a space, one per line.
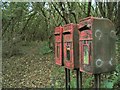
63, 14
89, 9
118, 19
100, 5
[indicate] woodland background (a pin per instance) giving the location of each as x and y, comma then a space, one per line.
28, 42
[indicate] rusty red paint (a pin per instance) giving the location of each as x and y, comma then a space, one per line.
69, 52
58, 45
94, 35
84, 47
84, 38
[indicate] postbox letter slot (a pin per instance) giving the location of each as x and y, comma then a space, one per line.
66, 32
56, 33
85, 27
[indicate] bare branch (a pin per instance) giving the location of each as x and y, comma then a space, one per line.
59, 13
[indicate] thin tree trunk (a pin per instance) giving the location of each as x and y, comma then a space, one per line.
89, 9
118, 20
63, 16
100, 5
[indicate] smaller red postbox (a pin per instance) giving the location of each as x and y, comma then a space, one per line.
59, 45
97, 45
71, 46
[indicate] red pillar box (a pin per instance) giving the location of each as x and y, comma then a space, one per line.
96, 45
58, 45
71, 46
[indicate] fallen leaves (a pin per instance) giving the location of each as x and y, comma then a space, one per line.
30, 70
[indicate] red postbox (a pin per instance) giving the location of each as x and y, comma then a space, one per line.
71, 46
96, 45
59, 45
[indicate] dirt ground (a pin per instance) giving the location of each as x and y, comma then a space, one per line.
36, 69
31, 70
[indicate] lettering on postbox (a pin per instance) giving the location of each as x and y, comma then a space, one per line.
97, 45
71, 46
58, 45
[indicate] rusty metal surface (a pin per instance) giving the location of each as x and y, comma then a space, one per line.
96, 35
103, 46
71, 45
103, 38
58, 46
